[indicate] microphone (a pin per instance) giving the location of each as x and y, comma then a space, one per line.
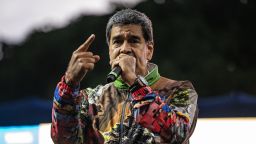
114, 74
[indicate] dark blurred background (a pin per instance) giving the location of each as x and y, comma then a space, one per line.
209, 42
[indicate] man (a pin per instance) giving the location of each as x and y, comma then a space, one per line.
139, 107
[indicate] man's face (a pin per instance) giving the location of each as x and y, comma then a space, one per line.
128, 39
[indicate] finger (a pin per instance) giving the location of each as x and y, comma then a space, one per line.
115, 63
85, 56
86, 44
96, 57
89, 66
86, 60
82, 55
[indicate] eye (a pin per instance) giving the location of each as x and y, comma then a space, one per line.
134, 40
117, 42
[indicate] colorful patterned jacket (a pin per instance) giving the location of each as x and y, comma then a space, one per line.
110, 114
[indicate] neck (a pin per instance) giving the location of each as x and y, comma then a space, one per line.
143, 72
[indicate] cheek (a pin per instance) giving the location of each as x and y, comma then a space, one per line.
110, 54
141, 56
113, 53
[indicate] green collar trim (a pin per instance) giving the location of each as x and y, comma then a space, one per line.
152, 77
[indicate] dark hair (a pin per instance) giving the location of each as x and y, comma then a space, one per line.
129, 16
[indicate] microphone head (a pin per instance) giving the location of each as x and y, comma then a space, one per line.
114, 74
111, 78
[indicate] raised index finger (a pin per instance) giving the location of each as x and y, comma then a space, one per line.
86, 44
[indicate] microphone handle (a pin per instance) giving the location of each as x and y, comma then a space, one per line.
114, 74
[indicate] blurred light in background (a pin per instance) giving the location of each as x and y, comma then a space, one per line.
18, 137
19, 134
225, 131
208, 131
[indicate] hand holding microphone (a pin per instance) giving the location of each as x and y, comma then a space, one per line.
114, 74
124, 65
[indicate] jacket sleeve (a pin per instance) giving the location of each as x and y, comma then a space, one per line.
69, 126
170, 115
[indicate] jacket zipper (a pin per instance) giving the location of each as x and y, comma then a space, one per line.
122, 119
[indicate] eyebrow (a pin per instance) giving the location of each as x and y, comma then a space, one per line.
117, 37
135, 37
120, 37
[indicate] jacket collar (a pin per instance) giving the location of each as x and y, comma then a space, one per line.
152, 77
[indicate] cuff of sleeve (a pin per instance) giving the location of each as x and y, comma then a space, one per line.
66, 89
71, 85
64, 94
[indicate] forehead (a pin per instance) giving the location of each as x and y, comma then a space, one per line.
130, 29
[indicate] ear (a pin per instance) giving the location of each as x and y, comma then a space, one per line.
150, 50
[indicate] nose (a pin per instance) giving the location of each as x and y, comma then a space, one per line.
126, 48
